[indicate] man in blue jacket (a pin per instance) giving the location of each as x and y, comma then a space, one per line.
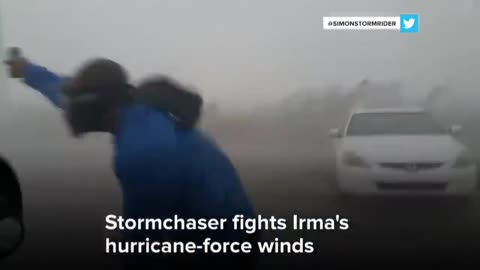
164, 168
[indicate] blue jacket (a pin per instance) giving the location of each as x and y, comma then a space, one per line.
163, 170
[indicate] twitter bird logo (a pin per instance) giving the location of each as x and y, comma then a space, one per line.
408, 23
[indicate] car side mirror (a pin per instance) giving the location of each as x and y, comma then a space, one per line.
455, 129
11, 212
335, 133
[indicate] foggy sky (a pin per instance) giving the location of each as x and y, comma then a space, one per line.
239, 53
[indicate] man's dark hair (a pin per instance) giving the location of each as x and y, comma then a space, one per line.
169, 96
109, 82
103, 77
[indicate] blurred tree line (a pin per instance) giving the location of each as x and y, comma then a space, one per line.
308, 114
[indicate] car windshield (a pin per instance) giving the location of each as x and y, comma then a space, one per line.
363, 124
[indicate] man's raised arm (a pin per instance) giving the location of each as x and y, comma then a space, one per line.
45, 81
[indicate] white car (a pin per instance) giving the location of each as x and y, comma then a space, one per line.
401, 152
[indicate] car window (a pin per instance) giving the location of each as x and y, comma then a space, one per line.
393, 124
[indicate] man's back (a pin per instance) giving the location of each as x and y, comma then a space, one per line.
166, 170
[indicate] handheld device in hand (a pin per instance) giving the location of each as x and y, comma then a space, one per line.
14, 53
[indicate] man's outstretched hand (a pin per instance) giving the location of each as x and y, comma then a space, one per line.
16, 67
16, 64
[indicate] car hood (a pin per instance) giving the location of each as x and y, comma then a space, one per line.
403, 148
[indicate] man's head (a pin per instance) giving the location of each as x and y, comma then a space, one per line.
101, 76
94, 96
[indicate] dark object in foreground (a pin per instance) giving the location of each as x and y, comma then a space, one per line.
11, 213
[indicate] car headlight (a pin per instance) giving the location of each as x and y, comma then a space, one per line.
351, 158
465, 159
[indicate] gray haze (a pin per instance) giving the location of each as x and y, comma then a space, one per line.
240, 53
